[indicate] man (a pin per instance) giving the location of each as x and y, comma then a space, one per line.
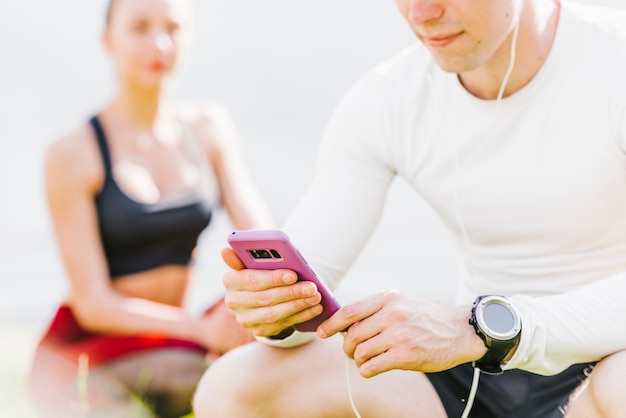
509, 118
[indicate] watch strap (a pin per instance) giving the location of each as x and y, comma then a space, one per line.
491, 362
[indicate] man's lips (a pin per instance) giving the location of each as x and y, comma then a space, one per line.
440, 40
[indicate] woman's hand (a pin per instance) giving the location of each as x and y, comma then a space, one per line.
220, 331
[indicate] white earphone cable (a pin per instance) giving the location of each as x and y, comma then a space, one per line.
458, 168
457, 173
505, 80
350, 397
472, 393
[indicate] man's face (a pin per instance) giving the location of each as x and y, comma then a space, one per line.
462, 35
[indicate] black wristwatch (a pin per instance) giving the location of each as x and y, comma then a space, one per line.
497, 322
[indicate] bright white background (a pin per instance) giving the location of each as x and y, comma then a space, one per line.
278, 65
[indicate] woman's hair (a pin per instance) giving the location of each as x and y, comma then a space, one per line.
109, 12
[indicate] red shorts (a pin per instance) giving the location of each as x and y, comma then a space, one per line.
66, 337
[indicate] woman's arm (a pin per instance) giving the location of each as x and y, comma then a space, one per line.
240, 196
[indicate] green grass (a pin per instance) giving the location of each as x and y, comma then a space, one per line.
13, 397
14, 365
18, 342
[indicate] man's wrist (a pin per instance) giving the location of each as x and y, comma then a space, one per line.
472, 346
294, 340
283, 334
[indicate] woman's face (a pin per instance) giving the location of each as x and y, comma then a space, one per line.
147, 37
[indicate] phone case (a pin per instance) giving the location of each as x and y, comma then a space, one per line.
271, 250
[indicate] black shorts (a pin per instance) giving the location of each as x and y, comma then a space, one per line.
513, 394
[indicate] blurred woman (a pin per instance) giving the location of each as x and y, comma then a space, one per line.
129, 192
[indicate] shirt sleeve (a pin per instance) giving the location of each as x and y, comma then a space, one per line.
617, 107
580, 326
343, 205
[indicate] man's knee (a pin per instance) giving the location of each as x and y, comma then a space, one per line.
602, 394
606, 385
233, 384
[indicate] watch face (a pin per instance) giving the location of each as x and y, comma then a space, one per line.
498, 318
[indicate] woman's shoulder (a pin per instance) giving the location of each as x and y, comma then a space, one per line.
75, 154
211, 122
75, 146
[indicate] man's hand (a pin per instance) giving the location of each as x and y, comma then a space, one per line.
267, 302
391, 331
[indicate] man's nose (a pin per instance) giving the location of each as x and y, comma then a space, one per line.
422, 11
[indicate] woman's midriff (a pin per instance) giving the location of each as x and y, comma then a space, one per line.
166, 284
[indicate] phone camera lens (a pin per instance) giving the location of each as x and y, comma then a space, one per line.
275, 253
260, 254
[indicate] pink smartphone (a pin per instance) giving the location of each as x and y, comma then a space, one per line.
271, 250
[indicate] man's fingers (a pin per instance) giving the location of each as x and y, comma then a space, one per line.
376, 365
257, 280
244, 299
266, 321
350, 314
369, 349
231, 259
339, 322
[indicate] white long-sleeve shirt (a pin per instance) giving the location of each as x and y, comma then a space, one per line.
540, 183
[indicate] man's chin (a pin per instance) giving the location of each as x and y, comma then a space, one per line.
453, 65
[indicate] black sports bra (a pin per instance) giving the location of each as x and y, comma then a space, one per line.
140, 236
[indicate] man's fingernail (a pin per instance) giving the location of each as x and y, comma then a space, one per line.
312, 300
310, 290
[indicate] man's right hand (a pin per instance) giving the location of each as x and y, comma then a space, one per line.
268, 301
